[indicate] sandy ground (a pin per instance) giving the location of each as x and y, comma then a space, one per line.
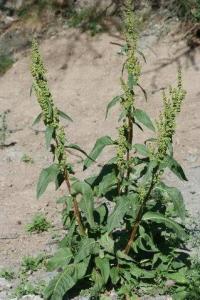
84, 75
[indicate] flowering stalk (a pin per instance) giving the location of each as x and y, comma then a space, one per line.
165, 131
132, 67
51, 120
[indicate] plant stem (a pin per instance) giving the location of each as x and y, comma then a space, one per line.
130, 140
77, 213
139, 217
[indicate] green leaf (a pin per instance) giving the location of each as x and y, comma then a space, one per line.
48, 135
107, 243
159, 218
141, 273
98, 282
178, 277
176, 168
101, 143
174, 195
141, 149
122, 255
104, 266
87, 201
65, 280
60, 259
76, 147
108, 182
64, 115
86, 248
46, 176
102, 212
113, 102
114, 275
116, 218
38, 119
142, 117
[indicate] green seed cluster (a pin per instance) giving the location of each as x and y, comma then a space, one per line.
127, 101
60, 149
122, 146
167, 122
130, 24
133, 69
40, 86
45, 100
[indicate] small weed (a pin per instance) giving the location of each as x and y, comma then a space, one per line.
27, 159
3, 128
39, 224
7, 274
30, 263
6, 62
27, 288
87, 19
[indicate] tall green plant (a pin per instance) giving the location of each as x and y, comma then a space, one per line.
134, 240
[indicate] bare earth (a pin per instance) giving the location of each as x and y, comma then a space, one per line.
84, 75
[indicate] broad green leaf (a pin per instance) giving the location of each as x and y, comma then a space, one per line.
116, 218
141, 149
87, 201
108, 182
107, 243
64, 115
141, 273
122, 255
182, 295
46, 176
60, 259
102, 212
159, 218
174, 195
142, 117
65, 280
101, 143
178, 277
67, 240
98, 282
176, 168
113, 102
48, 135
114, 275
38, 119
104, 266
86, 248
76, 147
